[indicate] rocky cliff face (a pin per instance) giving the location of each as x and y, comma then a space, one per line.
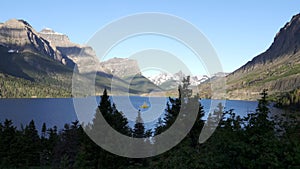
82, 55
277, 69
286, 43
55, 38
121, 67
19, 36
25, 53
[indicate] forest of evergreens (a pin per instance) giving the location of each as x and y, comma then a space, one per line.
13, 87
259, 140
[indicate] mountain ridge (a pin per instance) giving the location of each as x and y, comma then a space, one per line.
47, 59
169, 81
81, 55
18, 35
276, 69
121, 67
286, 42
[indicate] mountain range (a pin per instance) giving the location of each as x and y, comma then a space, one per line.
169, 81
37, 61
47, 59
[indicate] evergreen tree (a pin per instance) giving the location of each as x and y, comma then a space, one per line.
185, 154
32, 145
224, 148
139, 132
199, 123
139, 128
12, 146
48, 151
45, 151
44, 131
260, 134
67, 147
184, 103
118, 122
53, 138
112, 116
88, 154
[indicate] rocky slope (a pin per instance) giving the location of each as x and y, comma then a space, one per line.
125, 71
47, 59
128, 71
277, 69
121, 67
82, 55
19, 36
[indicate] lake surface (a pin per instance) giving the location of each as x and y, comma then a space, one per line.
60, 111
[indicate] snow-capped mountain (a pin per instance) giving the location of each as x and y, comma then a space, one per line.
160, 78
168, 80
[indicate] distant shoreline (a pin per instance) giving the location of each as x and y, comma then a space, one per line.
113, 96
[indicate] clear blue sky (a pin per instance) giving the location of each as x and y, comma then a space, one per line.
238, 30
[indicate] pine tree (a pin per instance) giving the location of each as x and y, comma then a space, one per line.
139, 128
53, 138
199, 123
112, 116
118, 122
260, 134
45, 152
68, 145
139, 132
11, 150
183, 155
159, 126
44, 131
185, 103
51, 142
260, 119
88, 154
32, 145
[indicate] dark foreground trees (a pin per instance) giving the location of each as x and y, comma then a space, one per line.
259, 140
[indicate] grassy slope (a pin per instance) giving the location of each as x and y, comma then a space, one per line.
277, 76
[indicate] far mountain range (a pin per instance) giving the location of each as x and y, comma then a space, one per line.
40, 64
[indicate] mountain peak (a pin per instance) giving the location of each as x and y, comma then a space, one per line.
57, 39
17, 23
286, 43
276, 69
287, 39
295, 20
18, 35
50, 31
171, 80
121, 67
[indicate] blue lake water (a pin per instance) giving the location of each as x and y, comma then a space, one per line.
60, 111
